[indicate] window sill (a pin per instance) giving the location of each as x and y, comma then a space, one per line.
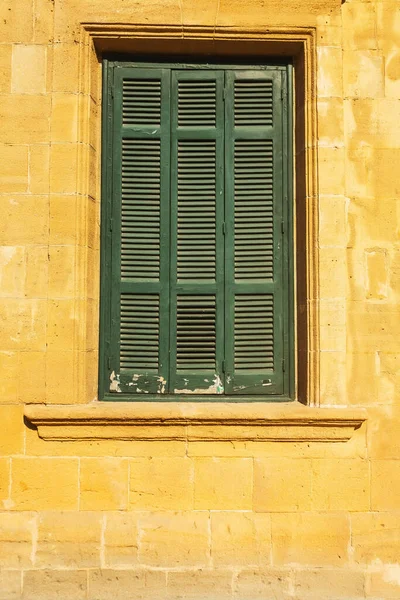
194, 421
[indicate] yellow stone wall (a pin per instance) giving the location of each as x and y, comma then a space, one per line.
114, 519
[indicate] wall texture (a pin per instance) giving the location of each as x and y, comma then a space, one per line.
207, 520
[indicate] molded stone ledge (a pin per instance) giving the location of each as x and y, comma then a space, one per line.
194, 421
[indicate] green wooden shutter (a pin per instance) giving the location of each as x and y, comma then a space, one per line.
140, 231
197, 269
254, 281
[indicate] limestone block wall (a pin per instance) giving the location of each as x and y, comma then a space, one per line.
199, 520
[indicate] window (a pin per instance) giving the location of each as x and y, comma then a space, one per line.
196, 273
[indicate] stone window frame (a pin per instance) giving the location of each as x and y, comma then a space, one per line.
218, 420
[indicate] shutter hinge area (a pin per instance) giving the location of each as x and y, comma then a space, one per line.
224, 93
223, 228
223, 366
111, 224
109, 362
283, 226
283, 365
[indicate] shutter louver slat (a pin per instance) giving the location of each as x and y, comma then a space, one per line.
196, 335
253, 104
140, 209
139, 331
196, 104
254, 209
254, 332
141, 102
196, 210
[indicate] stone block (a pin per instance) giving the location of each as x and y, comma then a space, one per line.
16, 21
173, 539
65, 67
161, 484
375, 537
262, 584
329, 30
13, 171
331, 167
68, 540
32, 378
360, 171
333, 274
5, 68
333, 375
385, 485
374, 326
17, 531
36, 271
363, 74
388, 122
121, 539
330, 68
62, 269
359, 26
329, 584
39, 169
24, 219
384, 584
223, 483
387, 175
103, 484
377, 275
12, 268
314, 539
10, 585
340, 484
140, 584
4, 480
60, 374
43, 21
22, 324
383, 439
330, 122
198, 585
333, 221
29, 69
63, 169
47, 585
64, 118
10, 375
240, 538
12, 426
68, 15
25, 119
44, 483
62, 219
61, 325
282, 484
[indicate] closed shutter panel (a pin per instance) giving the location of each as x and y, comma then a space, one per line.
140, 231
197, 269
255, 294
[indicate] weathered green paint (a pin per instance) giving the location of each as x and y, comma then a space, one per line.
186, 285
